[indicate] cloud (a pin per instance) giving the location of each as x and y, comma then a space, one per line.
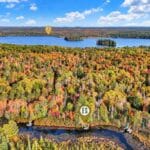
116, 17
137, 6
145, 8
107, 1
5, 20
11, 5
33, 7
20, 18
76, 15
30, 22
12, 1
9, 1
137, 10
127, 3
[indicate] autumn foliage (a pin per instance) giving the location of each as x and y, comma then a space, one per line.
41, 82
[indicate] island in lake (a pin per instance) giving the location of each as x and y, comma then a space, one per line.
106, 42
73, 38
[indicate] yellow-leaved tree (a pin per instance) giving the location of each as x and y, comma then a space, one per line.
48, 30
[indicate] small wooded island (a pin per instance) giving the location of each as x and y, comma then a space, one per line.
106, 42
73, 38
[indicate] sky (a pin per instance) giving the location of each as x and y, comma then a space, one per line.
75, 13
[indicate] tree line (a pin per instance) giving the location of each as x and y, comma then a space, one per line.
118, 32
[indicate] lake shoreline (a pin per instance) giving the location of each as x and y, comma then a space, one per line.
84, 37
59, 41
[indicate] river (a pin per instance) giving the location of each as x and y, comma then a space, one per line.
123, 139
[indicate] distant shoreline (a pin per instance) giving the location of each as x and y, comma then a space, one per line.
64, 36
106, 32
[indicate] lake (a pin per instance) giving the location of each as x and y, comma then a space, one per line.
87, 42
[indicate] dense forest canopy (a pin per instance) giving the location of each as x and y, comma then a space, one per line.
116, 32
41, 83
48, 85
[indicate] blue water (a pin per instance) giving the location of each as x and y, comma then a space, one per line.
64, 135
87, 42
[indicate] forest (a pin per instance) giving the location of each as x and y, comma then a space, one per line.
114, 32
48, 85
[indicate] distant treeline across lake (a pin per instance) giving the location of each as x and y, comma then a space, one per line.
114, 32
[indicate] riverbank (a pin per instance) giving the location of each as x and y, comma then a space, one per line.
81, 143
135, 139
61, 134
111, 137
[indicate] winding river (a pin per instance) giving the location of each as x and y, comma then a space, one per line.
65, 134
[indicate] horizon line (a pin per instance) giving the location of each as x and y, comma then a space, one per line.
75, 26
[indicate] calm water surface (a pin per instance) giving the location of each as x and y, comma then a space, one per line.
64, 135
87, 42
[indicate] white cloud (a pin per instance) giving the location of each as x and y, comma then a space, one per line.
128, 3
138, 11
5, 20
11, 5
9, 1
107, 1
134, 2
33, 7
20, 18
30, 22
76, 15
116, 17
137, 6
12, 1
